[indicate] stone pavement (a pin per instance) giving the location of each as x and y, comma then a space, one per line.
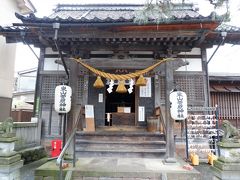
124, 169
205, 171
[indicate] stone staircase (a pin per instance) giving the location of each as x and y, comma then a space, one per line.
120, 144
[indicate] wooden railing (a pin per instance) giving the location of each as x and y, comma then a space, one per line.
160, 115
27, 133
71, 138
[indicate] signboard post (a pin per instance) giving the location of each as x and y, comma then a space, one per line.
62, 104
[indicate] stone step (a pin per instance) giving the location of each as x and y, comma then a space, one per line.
132, 153
122, 128
120, 136
119, 144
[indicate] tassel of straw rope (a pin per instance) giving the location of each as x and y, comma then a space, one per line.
121, 76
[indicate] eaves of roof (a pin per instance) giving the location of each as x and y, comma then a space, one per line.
26, 7
225, 78
225, 88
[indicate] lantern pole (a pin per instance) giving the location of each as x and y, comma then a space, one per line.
64, 128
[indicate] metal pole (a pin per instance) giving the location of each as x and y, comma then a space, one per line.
61, 172
186, 135
217, 127
60, 124
158, 124
74, 154
64, 129
222, 41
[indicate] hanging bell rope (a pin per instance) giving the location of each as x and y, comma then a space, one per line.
121, 76
121, 87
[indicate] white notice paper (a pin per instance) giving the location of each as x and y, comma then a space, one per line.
141, 113
100, 97
146, 91
89, 112
127, 110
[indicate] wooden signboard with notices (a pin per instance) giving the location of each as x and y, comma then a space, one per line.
89, 118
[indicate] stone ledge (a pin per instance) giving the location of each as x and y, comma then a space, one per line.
9, 160
8, 154
229, 160
229, 145
7, 139
24, 124
227, 166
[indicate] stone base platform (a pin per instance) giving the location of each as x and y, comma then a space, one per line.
227, 167
121, 169
226, 171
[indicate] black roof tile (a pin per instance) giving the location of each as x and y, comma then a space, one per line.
95, 13
227, 28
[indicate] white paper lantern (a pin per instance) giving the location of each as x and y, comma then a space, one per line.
62, 103
178, 100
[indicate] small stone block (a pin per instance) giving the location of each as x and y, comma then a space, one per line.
49, 178
170, 161
90, 178
110, 178
38, 178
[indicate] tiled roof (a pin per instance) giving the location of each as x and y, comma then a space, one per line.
227, 28
95, 13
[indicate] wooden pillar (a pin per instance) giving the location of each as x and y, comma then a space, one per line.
85, 90
206, 78
157, 90
170, 144
73, 78
38, 85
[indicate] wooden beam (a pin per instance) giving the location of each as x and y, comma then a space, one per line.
120, 63
185, 26
126, 47
96, 34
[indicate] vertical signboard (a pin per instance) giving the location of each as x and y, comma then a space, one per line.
89, 111
146, 91
141, 113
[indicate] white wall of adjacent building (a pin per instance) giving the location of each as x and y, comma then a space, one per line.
7, 51
7, 56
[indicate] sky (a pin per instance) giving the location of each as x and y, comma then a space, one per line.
226, 56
